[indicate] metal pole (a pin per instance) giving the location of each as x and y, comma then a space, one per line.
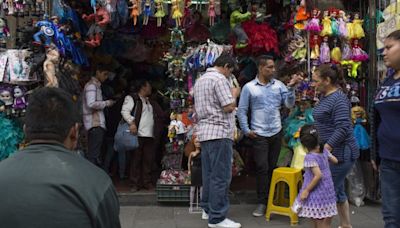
372, 71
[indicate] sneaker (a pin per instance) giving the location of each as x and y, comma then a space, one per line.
204, 215
227, 223
260, 210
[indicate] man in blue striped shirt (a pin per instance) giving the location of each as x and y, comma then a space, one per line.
263, 98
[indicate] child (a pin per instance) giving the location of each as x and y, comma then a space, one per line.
317, 199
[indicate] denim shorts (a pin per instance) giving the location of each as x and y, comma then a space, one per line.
339, 172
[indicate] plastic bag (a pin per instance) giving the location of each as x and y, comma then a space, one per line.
355, 185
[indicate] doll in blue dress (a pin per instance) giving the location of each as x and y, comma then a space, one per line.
358, 116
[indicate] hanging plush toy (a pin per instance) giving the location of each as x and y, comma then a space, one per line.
357, 29
325, 53
176, 12
211, 12
358, 54
358, 116
146, 11
326, 24
134, 11
342, 21
313, 25
236, 20
160, 13
100, 20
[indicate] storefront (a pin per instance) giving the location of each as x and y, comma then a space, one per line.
171, 43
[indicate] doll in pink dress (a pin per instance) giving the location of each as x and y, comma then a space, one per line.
211, 12
313, 24
325, 53
359, 55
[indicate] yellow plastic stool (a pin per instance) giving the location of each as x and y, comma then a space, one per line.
292, 177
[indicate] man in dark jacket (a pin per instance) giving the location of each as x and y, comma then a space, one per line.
46, 184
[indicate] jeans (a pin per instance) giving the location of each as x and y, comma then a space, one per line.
216, 163
266, 154
390, 186
95, 143
142, 160
339, 172
110, 154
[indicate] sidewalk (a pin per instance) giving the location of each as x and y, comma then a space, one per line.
164, 216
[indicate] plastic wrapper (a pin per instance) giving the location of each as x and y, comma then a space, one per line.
355, 185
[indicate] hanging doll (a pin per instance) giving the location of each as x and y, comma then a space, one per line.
313, 25
325, 52
4, 33
186, 13
160, 13
358, 116
146, 12
180, 133
19, 7
176, 12
211, 12
194, 163
100, 20
326, 24
357, 29
177, 40
236, 20
334, 22
19, 105
314, 44
50, 67
134, 11
358, 54
347, 53
336, 53
301, 16
301, 51
10, 7
342, 21
301, 115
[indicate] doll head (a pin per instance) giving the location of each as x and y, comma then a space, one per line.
315, 40
304, 105
326, 13
173, 116
326, 39
358, 112
355, 42
196, 141
356, 16
6, 96
342, 14
18, 92
315, 12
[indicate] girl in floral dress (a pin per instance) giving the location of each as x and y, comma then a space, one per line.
317, 198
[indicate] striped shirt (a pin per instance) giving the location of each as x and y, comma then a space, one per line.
333, 121
212, 92
93, 105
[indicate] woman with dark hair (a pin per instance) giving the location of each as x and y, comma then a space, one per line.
333, 122
145, 118
385, 132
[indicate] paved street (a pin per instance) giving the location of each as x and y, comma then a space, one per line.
165, 216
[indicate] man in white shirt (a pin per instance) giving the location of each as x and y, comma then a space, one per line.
142, 114
93, 115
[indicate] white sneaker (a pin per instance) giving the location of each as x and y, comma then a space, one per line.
204, 215
227, 223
